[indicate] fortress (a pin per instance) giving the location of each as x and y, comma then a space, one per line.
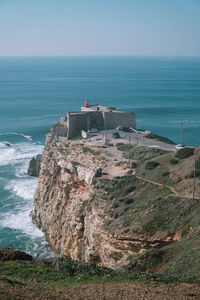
93, 116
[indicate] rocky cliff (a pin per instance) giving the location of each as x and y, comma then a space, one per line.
92, 205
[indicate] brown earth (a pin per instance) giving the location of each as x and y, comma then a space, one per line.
7, 254
112, 291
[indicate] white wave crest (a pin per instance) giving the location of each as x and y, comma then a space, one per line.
6, 155
18, 153
23, 188
21, 221
28, 137
20, 218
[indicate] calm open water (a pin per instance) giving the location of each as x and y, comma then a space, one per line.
35, 92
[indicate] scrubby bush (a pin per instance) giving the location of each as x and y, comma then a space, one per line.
87, 149
173, 161
115, 204
130, 188
165, 174
191, 175
129, 201
150, 165
185, 152
159, 138
129, 172
134, 165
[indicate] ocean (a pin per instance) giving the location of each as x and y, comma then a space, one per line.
36, 91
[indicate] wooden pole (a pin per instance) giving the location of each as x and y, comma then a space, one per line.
194, 181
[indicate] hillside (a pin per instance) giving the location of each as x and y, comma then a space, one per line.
67, 279
124, 207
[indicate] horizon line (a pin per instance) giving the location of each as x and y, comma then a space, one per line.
100, 55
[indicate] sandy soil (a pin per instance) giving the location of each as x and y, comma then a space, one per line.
115, 291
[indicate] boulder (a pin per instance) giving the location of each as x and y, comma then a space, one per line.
34, 166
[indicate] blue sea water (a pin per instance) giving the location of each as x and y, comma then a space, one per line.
36, 91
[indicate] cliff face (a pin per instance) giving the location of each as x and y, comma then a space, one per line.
69, 209
93, 207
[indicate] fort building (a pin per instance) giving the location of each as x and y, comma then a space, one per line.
93, 116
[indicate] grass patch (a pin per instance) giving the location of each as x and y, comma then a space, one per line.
150, 165
160, 138
88, 150
173, 161
184, 153
139, 152
165, 174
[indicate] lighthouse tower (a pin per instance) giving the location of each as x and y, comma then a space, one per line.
87, 104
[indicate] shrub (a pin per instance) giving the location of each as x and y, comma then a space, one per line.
129, 172
185, 152
87, 149
151, 226
134, 165
150, 165
129, 201
159, 138
67, 190
191, 175
165, 174
173, 161
115, 205
130, 188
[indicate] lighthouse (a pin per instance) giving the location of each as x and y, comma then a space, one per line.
87, 104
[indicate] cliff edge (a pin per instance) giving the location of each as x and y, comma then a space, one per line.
125, 206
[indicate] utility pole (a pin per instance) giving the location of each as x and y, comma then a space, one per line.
194, 181
181, 129
129, 141
105, 127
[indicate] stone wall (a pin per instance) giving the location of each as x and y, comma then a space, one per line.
61, 129
83, 121
114, 119
75, 122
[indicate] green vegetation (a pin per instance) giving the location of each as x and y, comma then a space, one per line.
61, 272
67, 190
129, 201
173, 161
197, 170
184, 153
134, 165
139, 152
88, 150
49, 275
159, 138
152, 226
150, 165
165, 174
178, 259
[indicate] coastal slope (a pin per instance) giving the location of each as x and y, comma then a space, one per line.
123, 207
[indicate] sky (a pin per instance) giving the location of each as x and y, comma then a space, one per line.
99, 27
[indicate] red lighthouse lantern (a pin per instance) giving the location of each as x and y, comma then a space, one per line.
87, 104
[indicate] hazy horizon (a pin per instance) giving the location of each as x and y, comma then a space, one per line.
93, 28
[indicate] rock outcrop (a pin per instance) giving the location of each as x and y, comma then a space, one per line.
35, 165
7, 254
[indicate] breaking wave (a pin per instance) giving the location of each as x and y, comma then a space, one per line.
28, 137
17, 199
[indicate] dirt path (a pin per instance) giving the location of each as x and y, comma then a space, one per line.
112, 168
177, 194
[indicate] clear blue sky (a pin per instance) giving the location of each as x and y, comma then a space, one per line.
99, 27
